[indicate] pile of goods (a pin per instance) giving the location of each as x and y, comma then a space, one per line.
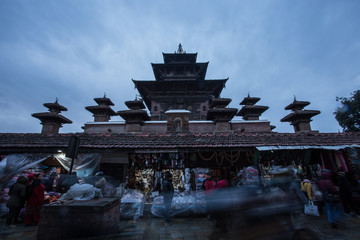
132, 204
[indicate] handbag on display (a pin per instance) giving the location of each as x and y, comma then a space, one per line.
311, 209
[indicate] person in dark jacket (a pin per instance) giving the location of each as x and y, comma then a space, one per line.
17, 194
168, 196
331, 197
35, 201
49, 182
70, 180
346, 193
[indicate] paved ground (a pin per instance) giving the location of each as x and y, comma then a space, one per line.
348, 229
190, 228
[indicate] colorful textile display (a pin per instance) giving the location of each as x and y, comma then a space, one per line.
250, 175
51, 197
201, 174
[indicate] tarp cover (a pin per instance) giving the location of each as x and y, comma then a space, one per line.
16, 163
86, 164
13, 164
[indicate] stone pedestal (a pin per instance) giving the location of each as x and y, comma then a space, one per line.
50, 128
79, 219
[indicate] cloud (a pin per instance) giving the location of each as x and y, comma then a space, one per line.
77, 50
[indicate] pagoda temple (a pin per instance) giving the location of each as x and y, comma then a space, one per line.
250, 111
220, 114
179, 84
52, 121
102, 112
180, 100
299, 117
135, 116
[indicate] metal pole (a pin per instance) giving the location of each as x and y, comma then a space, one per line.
72, 151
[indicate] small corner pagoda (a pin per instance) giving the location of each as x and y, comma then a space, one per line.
179, 84
299, 117
102, 112
52, 121
220, 114
250, 111
135, 116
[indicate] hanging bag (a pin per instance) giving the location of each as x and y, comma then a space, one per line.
311, 209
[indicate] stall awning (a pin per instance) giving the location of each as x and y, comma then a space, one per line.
272, 148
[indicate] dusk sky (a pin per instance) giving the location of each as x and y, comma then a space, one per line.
78, 50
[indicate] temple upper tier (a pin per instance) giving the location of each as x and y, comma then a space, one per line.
179, 84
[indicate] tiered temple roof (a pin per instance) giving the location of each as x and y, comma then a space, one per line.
250, 111
102, 112
219, 111
52, 121
136, 113
299, 117
179, 84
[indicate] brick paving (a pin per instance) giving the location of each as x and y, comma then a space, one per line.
197, 228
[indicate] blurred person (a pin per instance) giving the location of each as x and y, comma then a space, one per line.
168, 195
307, 189
49, 182
346, 193
210, 185
331, 197
36, 200
30, 178
17, 194
59, 184
286, 181
70, 180
100, 181
225, 177
222, 218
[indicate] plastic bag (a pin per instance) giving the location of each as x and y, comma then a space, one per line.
180, 206
311, 209
132, 205
82, 192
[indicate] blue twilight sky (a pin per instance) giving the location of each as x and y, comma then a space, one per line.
77, 50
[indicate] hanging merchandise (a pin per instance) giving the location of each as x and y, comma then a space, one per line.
201, 174
250, 175
177, 178
158, 183
144, 182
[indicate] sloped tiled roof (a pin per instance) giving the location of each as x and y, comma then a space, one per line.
15, 141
